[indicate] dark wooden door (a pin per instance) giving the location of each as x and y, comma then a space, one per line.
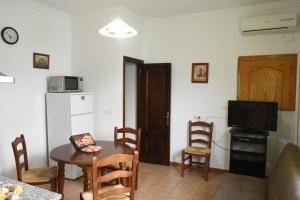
154, 89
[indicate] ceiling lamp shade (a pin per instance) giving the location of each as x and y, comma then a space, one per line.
118, 29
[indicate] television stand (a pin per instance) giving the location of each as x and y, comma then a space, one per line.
248, 151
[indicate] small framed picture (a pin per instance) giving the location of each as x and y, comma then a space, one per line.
41, 61
200, 73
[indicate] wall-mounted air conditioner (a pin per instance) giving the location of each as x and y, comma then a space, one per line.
269, 23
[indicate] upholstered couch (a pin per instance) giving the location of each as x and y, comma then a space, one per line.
283, 183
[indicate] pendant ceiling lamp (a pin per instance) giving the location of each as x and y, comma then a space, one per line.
118, 28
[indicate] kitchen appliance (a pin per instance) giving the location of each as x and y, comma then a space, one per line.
62, 84
68, 114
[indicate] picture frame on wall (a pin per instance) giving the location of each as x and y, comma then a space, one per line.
41, 61
200, 72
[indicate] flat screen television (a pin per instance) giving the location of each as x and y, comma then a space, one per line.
260, 116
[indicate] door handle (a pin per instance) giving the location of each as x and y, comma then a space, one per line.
168, 119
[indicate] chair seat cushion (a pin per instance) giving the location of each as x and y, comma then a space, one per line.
38, 175
240, 187
89, 195
197, 150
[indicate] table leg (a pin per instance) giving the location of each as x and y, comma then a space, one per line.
61, 178
87, 178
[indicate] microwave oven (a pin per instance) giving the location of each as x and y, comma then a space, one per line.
65, 84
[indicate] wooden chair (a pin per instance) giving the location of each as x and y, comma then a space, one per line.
132, 143
35, 176
203, 130
113, 192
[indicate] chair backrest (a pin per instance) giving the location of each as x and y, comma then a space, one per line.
129, 174
128, 140
200, 128
19, 152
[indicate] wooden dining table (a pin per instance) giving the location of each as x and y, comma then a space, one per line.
66, 154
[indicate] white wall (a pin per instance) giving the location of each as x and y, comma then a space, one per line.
100, 61
214, 37
22, 105
130, 95
205, 37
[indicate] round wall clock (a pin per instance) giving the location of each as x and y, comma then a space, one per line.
9, 35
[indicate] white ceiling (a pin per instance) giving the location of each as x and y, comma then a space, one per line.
149, 9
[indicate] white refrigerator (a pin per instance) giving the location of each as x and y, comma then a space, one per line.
68, 114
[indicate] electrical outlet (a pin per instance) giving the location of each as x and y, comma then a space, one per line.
196, 118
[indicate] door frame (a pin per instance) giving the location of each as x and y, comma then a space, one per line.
136, 61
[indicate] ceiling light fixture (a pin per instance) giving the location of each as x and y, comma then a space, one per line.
118, 29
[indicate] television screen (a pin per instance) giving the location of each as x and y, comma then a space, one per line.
260, 116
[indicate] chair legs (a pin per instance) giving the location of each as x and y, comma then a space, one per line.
137, 177
206, 164
182, 163
206, 167
183, 159
190, 161
53, 184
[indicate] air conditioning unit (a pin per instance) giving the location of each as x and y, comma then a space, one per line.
269, 23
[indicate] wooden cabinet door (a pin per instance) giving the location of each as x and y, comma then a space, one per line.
268, 78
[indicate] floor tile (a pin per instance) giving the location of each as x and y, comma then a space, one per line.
162, 183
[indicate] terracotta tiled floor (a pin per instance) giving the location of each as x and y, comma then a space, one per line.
162, 183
